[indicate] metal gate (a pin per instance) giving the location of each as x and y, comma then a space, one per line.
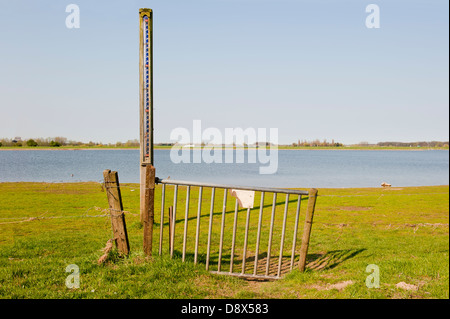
227, 242
211, 244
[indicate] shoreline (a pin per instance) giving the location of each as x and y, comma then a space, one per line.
390, 188
197, 148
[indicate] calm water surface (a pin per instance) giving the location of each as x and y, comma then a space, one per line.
296, 168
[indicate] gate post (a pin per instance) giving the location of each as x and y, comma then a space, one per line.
147, 170
111, 180
148, 209
307, 228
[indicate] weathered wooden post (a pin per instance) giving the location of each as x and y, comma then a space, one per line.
119, 228
147, 170
147, 212
307, 228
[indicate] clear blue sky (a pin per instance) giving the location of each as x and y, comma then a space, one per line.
309, 68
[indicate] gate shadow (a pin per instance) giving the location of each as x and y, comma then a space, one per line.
324, 261
330, 259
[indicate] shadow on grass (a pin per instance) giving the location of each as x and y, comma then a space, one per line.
314, 262
330, 259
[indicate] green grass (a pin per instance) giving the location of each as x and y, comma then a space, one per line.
44, 227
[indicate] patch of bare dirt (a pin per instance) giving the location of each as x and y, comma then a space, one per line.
403, 285
354, 208
339, 286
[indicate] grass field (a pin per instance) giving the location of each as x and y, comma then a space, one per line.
44, 227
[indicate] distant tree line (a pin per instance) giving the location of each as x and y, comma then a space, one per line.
63, 141
51, 142
316, 143
414, 144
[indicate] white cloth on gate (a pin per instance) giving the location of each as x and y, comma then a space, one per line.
245, 198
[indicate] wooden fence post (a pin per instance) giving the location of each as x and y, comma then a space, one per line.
116, 211
307, 228
148, 208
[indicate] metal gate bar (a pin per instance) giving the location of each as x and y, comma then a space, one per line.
172, 239
294, 240
186, 215
269, 248
197, 232
282, 234
250, 188
222, 228
258, 238
211, 212
236, 208
242, 273
163, 196
244, 257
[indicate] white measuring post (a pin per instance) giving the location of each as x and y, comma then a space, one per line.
146, 85
147, 170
